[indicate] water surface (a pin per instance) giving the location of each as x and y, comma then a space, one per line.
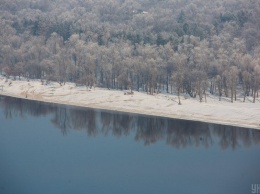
58, 149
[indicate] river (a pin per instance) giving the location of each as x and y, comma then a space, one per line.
56, 149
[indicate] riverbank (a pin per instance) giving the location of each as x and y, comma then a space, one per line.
243, 114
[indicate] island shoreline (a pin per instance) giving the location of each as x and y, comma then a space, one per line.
131, 111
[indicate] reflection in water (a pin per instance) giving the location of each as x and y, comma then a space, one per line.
149, 129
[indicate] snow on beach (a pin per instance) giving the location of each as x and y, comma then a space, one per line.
239, 113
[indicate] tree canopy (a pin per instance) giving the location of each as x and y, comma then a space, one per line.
151, 45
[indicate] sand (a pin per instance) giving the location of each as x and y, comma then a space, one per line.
243, 114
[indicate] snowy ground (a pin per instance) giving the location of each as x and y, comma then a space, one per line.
239, 113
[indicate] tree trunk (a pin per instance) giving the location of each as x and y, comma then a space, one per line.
167, 84
179, 96
138, 84
232, 94
205, 96
226, 91
255, 91
219, 93
235, 94
254, 96
211, 87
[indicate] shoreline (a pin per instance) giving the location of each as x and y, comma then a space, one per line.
140, 113
162, 105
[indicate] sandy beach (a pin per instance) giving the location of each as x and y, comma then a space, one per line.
243, 114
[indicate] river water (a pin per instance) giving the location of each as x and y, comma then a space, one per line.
57, 149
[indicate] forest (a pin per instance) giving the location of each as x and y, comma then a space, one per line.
192, 47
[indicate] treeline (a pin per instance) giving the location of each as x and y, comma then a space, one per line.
194, 46
149, 130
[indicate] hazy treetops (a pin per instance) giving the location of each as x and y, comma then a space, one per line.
182, 46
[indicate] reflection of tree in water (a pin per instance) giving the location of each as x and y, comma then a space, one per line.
181, 133
256, 136
228, 136
234, 137
119, 124
15, 107
84, 120
61, 119
149, 129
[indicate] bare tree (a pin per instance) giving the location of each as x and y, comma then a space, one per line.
256, 78
178, 76
232, 79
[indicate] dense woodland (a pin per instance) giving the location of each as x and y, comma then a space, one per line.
193, 47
